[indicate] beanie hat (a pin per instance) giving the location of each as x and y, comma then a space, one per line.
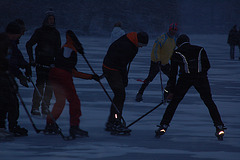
181, 39
173, 27
142, 38
50, 12
13, 28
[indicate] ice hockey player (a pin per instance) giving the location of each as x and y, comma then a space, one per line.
61, 80
48, 41
161, 53
115, 68
194, 65
13, 61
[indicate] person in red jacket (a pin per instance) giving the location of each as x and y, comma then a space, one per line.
62, 83
115, 68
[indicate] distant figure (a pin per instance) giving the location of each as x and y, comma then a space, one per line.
194, 65
233, 40
117, 32
48, 41
161, 53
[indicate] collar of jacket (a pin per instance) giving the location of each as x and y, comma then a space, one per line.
132, 36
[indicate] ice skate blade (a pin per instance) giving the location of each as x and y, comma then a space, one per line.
116, 133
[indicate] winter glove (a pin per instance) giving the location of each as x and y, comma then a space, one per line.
28, 71
23, 80
96, 77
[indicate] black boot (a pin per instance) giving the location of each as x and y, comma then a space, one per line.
18, 131
51, 129
220, 132
140, 92
161, 130
75, 131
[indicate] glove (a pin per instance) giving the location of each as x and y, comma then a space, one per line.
96, 77
23, 80
28, 71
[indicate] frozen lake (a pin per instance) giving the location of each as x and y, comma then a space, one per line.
189, 137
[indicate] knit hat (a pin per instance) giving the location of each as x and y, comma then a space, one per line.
173, 27
142, 38
13, 28
50, 12
181, 39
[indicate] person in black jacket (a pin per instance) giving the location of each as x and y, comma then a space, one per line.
233, 40
48, 42
115, 68
11, 62
194, 65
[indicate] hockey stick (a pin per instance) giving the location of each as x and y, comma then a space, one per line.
160, 71
66, 138
14, 89
145, 114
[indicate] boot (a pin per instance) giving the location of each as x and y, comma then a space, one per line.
141, 90
75, 131
119, 127
139, 97
51, 129
161, 130
220, 132
18, 131
109, 126
35, 112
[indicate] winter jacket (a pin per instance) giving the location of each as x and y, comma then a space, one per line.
67, 60
16, 60
121, 52
48, 42
116, 33
163, 49
191, 59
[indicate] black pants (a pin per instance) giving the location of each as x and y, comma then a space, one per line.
201, 84
153, 71
9, 105
44, 88
117, 83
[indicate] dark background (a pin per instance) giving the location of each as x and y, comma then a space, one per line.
97, 17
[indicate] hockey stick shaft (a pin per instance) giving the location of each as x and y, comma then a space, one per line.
14, 84
49, 113
145, 115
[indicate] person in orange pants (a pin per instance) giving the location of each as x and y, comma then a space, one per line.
62, 83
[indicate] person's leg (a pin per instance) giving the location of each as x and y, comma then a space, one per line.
115, 81
203, 87
232, 48
56, 81
182, 86
36, 97
153, 71
48, 92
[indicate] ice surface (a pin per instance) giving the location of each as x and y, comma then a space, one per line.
190, 136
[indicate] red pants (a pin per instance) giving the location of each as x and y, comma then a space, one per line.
63, 88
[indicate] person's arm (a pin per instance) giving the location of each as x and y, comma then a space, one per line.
33, 40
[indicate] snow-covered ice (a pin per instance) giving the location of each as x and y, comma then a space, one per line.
190, 136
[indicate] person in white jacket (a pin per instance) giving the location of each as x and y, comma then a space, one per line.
117, 32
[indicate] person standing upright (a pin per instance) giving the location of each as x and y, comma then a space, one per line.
48, 41
117, 32
233, 40
161, 53
194, 65
116, 65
